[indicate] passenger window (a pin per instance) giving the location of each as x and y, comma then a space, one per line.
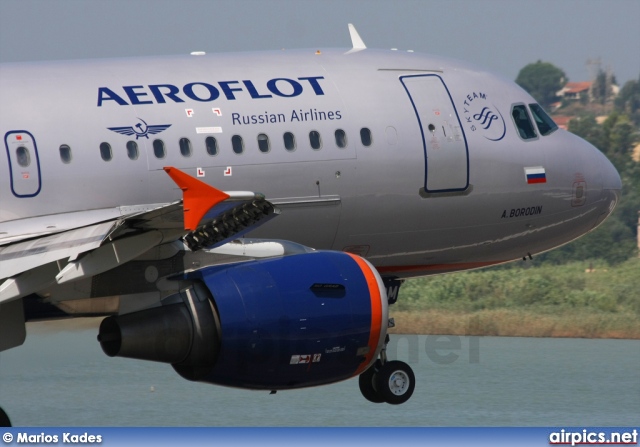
341, 138
105, 151
158, 148
65, 154
185, 147
523, 122
543, 121
315, 140
365, 137
263, 143
132, 150
212, 146
23, 156
289, 141
237, 144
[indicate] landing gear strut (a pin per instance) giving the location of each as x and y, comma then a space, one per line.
4, 419
392, 382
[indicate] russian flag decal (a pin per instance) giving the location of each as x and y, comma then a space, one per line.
535, 174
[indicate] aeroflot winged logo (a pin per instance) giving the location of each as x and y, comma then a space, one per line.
482, 116
141, 129
207, 92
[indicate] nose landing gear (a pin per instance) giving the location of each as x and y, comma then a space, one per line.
396, 382
392, 382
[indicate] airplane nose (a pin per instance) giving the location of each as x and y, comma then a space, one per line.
611, 186
611, 178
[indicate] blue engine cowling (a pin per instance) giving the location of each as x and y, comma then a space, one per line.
296, 321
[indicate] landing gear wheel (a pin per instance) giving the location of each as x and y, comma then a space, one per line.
4, 419
366, 381
395, 382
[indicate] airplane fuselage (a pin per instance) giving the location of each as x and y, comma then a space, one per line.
412, 161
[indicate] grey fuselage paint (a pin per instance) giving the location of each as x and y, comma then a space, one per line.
370, 199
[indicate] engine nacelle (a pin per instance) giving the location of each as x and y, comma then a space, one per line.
290, 322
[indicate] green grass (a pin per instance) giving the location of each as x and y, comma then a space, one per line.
570, 300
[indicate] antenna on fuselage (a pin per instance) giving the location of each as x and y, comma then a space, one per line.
356, 40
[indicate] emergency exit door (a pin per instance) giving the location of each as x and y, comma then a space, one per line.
24, 163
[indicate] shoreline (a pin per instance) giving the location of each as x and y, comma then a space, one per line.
516, 323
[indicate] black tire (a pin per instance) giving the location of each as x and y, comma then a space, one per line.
366, 382
4, 419
395, 382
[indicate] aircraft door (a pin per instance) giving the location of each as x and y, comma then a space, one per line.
24, 163
444, 144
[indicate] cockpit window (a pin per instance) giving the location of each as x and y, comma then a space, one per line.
523, 122
543, 121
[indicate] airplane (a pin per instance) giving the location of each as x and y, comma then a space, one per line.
249, 218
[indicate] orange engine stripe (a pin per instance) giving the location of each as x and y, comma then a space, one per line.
376, 312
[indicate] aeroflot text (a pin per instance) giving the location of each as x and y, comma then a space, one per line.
206, 92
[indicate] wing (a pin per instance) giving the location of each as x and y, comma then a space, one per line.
127, 130
35, 254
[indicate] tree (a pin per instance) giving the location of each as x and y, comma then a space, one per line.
542, 80
586, 127
619, 136
602, 87
628, 100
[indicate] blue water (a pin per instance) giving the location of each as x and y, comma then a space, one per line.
62, 378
